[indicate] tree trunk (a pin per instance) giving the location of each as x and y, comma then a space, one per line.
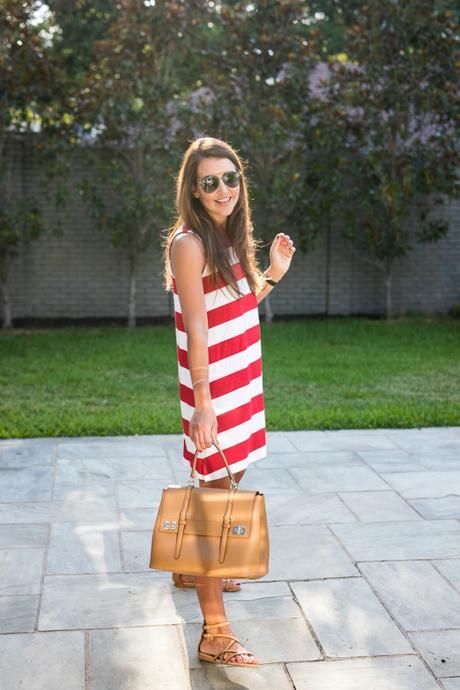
328, 269
268, 310
388, 279
7, 321
132, 295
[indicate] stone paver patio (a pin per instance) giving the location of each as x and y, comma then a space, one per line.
363, 591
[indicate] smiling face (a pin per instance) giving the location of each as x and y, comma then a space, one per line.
220, 203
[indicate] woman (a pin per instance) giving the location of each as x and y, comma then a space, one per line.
211, 267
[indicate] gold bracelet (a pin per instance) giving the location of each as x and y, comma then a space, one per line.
199, 381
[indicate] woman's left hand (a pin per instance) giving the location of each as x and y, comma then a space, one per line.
281, 253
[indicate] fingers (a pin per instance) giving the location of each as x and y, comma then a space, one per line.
214, 433
203, 429
281, 237
285, 241
203, 439
202, 442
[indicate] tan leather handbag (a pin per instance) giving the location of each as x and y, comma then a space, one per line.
212, 532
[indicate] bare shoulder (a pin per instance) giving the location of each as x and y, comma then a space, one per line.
187, 252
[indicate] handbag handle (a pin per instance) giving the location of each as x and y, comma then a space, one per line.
233, 482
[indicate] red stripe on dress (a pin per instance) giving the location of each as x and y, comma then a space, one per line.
234, 417
224, 313
221, 282
208, 286
226, 348
233, 454
226, 384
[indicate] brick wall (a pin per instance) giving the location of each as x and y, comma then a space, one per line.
79, 275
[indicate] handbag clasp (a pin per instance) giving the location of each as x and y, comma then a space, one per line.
239, 529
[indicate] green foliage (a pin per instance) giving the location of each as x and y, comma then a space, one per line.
81, 24
373, 150
125, 105
31, 80
390, 104
23, 77
392, 109
23, 68
20, 222
257, 106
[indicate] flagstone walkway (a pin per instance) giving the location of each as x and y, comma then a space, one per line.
363, 591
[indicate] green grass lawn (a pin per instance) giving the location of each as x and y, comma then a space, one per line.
318, 374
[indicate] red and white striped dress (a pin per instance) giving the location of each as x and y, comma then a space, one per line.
235, 375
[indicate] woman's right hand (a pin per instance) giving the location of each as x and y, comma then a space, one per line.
203, 426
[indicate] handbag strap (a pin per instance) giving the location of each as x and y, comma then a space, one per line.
226, 524
183, 516
226, 521
233, 482
227, 518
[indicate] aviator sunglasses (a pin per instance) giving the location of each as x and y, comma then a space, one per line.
210, 183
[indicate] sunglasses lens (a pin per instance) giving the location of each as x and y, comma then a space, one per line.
210, 183
231, 178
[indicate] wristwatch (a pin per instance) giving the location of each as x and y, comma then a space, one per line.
270, 281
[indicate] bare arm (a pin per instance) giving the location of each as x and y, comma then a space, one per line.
267, 287
187, 260
264, 291
281, 252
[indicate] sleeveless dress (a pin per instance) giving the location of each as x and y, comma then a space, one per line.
235, 375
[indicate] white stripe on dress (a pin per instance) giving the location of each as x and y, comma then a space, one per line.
224, 331
229, 401
227, 438
227, 366
217, 298
234, 467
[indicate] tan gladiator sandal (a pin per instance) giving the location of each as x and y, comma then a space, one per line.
219, 657
227, 585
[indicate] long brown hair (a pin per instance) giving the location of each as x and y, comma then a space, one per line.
192, 213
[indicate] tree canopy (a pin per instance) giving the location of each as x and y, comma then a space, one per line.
347, 113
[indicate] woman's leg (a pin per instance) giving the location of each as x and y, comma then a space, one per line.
209, 591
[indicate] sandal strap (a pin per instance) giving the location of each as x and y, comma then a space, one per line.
229, 585
228, 650
232, 654
208, 626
